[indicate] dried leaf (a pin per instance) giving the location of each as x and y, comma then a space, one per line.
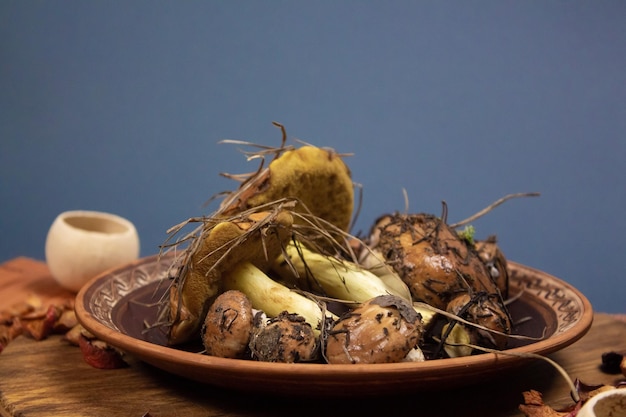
40, 327
73, 335
586, 391
31, 318
22, 308
66, 321
534, 406
99, 354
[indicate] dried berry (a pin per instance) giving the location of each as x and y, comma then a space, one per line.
611, 362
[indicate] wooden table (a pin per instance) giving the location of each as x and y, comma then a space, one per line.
50, 378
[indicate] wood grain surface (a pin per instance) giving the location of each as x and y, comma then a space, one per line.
50, 378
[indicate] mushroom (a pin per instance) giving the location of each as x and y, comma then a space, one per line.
274, 298
317, 177
439, 267
334, 277
495, 261
308, 187
382, 330
228, 325
256, 237
287, 338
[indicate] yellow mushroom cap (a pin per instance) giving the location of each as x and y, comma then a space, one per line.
316, 177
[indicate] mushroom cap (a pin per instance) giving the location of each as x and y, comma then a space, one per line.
431, 258
228, 325
317, 177
484, 310
382, 330
287, 338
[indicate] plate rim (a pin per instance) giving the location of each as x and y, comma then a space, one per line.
171, 359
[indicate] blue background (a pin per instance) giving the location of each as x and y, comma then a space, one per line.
118, 106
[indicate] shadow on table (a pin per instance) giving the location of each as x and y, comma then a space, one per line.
499, 396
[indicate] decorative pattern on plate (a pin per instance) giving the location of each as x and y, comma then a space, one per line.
119, 284
565, 303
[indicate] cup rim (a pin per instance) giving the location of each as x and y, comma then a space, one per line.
128, 226
588, 408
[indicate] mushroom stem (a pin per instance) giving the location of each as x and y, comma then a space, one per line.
272, 297
336, 278
341, 279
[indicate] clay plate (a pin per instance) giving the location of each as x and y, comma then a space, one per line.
114, 306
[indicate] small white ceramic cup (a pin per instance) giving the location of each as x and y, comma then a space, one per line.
609, 403
82, 244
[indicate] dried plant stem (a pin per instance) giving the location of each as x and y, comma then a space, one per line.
444, 313
491, 207
529, 355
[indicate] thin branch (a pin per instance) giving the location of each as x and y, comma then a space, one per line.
558, 367
491, 207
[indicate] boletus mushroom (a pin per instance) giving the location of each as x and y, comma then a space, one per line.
443, 270
382, 330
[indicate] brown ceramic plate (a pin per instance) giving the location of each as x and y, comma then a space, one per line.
114, 306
